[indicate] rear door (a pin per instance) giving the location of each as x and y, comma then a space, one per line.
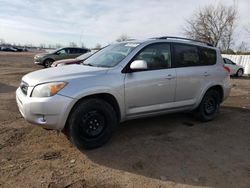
151, 90
75, 52
193, 69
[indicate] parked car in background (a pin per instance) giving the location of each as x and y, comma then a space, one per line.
77, 60
123, 81
11, 49
235, 70
46, 59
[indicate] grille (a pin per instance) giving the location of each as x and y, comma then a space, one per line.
24, 87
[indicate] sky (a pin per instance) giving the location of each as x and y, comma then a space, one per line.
94, 21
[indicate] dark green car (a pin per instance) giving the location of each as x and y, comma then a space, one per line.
46, 59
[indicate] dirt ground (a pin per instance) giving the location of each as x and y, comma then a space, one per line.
167, 151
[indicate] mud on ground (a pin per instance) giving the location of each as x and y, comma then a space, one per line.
167, 151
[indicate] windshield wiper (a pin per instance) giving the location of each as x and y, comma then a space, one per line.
88, 64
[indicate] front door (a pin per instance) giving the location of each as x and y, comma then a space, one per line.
62, 54
151, 90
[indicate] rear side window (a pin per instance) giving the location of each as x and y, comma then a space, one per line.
82, 51
74, 50
207, 56
188, 55
78, 51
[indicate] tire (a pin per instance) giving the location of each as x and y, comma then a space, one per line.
91, 124
48, 62
209, 106
239, 73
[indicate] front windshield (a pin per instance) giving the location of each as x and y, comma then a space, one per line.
52, 51
111, 55
86, 55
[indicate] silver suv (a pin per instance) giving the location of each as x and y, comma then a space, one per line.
124, 81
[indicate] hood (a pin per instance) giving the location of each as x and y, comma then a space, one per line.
41, 54
63, 73
66, 61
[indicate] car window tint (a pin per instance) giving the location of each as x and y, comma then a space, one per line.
227, 61
186, 55
63, 51
207, 56
74, 51
157, 56
82, 51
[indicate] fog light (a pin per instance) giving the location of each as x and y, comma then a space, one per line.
42, 119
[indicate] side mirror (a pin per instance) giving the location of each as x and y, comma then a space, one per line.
139, 65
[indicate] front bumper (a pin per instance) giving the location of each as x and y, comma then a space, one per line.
47, 112
38, 60
38, 63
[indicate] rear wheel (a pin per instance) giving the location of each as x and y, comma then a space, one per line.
209, 106
239, 73
48, 63
91, 123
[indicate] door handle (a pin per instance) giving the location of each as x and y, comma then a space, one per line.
169, 77
206, 74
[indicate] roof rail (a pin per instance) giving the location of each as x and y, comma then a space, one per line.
182, 38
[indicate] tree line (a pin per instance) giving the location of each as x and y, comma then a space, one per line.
214, 24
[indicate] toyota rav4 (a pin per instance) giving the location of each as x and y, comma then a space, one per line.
124, 81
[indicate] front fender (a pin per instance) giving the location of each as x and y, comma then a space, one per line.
117, 93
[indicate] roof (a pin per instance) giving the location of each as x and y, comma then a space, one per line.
174, 39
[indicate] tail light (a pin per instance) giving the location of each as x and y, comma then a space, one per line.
226, 68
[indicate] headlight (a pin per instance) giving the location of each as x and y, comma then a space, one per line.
48, 89
60, 64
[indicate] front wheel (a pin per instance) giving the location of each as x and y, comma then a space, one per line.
209, 106
48, 63
91, 123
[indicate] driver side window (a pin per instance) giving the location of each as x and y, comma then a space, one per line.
62, 52
157, 56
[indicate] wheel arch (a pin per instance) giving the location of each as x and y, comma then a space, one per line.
107, 97
218, 88
48, 59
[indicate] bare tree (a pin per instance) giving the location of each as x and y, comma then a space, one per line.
50, 46
123, 37
82, 45
58, 45
72, 44
98, 46
213, 24
42, 45
2, 41
247, 29
243, 48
